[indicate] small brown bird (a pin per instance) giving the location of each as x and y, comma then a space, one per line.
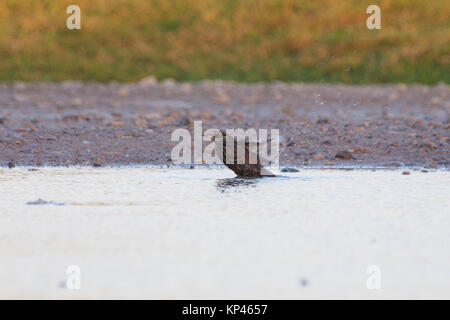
247, 169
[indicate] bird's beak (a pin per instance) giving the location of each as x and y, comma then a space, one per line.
212, 135
209, 136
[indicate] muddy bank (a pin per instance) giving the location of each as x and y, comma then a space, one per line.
72, 123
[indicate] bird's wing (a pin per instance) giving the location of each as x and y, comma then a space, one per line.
264, 159
265, 172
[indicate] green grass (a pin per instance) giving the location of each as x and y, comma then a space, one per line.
246, 40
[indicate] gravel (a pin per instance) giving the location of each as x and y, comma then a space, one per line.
74, 123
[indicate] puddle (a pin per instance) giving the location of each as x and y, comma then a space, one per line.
179, 233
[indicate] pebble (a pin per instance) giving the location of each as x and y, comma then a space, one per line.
42, 202
221, 96
148, 81
431, 165
392, 164
304, 282
318, 156
322, 121
360, 150
345, 155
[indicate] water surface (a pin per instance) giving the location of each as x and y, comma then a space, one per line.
179, 233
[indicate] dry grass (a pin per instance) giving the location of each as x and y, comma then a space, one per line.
245, 40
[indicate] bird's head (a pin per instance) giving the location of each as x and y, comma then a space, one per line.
215, 134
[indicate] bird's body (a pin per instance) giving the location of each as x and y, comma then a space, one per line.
246, 169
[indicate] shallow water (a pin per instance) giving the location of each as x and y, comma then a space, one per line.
181, 233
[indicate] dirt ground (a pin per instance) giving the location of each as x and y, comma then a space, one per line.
72, 123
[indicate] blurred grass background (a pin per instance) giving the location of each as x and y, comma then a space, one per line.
244, 40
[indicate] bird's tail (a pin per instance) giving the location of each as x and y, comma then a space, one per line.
267, 173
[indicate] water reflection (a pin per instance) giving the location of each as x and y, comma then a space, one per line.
234, 184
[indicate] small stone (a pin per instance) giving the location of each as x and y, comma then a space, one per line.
431, 165
83, 116
345, 155
304, 282
148, 81
43, 202
360, 150
11, 164
392, 164
430, 145
417, 124
118, 124
221, 96
277, 95
289, 170
393, 96
406, 173
237, 117
168, 83
123, 92
186, 87
37, 202
96, 164
402, 87
435, 101
322, 121
185, 121
318, 156
290, 142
